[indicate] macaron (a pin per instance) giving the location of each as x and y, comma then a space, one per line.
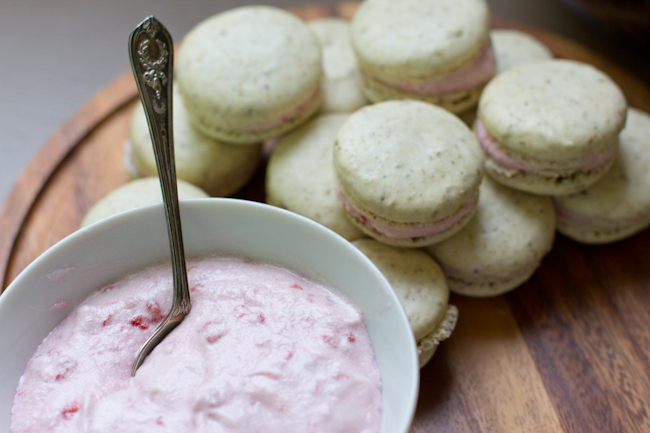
512, 48
218, 168
408, 172
420, 285
342, 91
300, 175
618, 205
437, 51
550, 127
134, 194
502, 246
250, 74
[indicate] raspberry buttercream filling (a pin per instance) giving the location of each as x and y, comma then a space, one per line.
412, 230
494, 151
287, 118
469, 76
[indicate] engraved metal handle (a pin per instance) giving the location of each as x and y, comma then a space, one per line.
151, 51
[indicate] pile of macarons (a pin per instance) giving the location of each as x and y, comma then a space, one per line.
447, 152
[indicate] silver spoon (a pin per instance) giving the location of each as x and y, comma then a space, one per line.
151, 50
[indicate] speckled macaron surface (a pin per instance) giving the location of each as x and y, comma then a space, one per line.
342, 91
512, 48
418, 282
300, 175
502, 246
550, 127
250, 74
414, 39
218, 168
618, 205
134, 194
556, 113
407, 162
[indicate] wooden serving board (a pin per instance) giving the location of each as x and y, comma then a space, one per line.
569, 351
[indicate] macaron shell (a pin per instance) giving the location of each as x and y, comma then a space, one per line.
428, 345
247, 67
218, 168
512, 48
501, 246
341, 83
618, 205
417, 280
407, 161
134, 194
418, 39
300, 175
559, 112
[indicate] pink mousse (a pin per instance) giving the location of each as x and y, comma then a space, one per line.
470, 76
263, 350
493, 149
418, 230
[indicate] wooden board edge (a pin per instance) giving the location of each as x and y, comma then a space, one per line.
35, 176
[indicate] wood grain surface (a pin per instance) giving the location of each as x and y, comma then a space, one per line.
569, 351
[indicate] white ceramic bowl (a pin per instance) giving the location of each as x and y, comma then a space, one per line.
100, 253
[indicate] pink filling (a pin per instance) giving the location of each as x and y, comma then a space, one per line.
492, 148
287, 117
424, 230
467, 77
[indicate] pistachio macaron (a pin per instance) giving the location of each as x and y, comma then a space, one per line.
250, 74
420, 285
437, 51
550, 127
300, 175
134, 194
502, 246
618, 205
220, 169
513, 47
342, 91
408, 172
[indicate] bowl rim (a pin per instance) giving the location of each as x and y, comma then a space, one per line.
202, 205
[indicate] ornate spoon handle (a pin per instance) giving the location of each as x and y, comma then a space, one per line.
151, 51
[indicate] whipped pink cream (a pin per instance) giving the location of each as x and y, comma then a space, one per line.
414, 230
263, 350
467, 77
493, 149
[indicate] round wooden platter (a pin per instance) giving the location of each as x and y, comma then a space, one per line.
569, 351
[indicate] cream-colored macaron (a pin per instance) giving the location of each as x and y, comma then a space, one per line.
502, 246
512, 48
618, 205
219, 169
420, 285
134, 194
300, 175
250, 74
550, 127
408, 172
438, 51
341, 83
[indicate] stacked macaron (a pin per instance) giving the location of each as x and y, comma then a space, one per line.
550, 127
341, 82
618, 205
250, 74
408, 172
422, 290
218, 168
437, 51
